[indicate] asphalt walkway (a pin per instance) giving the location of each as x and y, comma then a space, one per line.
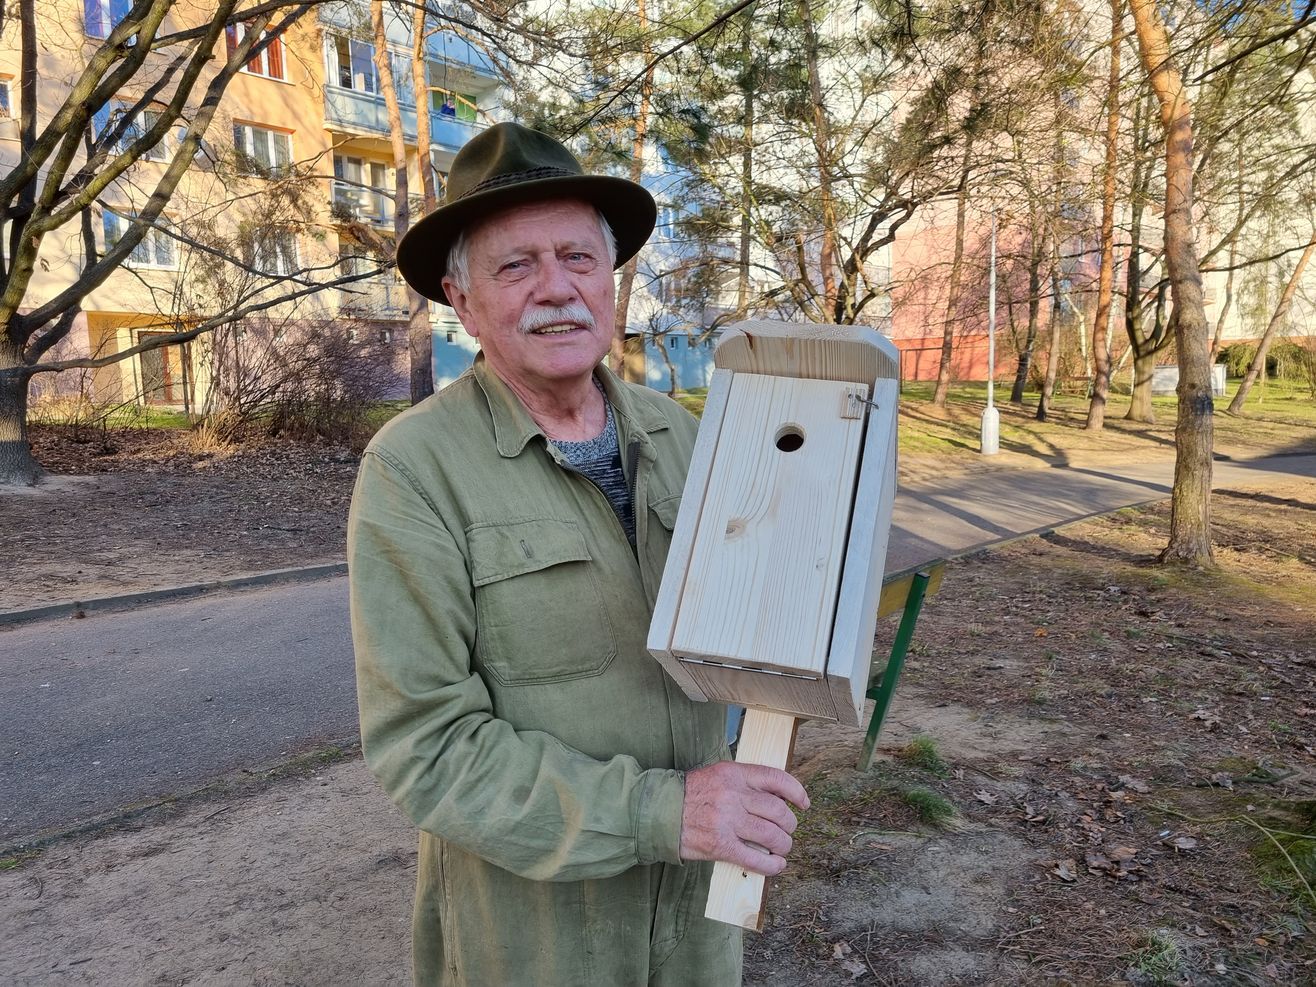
125, 707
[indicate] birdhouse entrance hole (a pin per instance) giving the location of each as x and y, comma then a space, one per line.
790, 438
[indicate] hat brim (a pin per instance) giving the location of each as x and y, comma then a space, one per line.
422, 255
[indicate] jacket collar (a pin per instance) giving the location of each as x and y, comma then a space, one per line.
514, 428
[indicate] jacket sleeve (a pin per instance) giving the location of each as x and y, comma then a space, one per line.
520, 799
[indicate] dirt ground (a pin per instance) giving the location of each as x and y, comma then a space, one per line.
142, 509
1096, 771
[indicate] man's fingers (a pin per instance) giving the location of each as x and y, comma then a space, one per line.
754, 859
777, 782
769, 836
771, 808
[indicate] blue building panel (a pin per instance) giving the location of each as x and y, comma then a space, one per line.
693, 364
362, 112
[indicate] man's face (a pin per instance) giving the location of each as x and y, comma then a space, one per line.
541, 295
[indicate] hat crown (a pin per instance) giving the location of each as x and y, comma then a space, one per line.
507, 154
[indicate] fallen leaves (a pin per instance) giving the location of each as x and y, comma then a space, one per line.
1209, 718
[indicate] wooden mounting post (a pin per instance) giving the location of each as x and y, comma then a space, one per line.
735, 895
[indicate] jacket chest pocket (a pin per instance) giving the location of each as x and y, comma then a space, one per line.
538, 603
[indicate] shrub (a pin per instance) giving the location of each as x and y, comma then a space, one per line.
309, 380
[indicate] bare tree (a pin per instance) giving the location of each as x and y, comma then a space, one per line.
66, 164
1190, 504
420, 334
1106, 278
1277, 321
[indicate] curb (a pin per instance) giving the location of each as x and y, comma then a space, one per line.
126, 601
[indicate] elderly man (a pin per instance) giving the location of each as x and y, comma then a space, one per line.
506, 543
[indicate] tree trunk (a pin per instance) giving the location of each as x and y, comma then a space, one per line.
746, 165
421, 94
617, 352
1034, 311
1145, 346
953, 286
1276, 321
1053, 348
1190, 502
660, 340
420, 334
1057, 304
1106, 281
17, 467
1140, 401
822, 143
1226, 305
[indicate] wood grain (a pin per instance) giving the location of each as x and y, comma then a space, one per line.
821, 352
735, 895
763, 576
851, 651
668, 603
807, 698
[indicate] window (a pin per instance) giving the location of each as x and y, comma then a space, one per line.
6, 106
102, 16
351, 335
402, 79
111, 113
274, 252
268, 62
261, 151
362, 189
352, 259
452, 336
351, 64
386, 335
452, 104
156, 249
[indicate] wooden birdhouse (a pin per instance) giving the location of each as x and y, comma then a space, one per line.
770, 594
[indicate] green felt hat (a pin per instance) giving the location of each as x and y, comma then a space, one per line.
507, 165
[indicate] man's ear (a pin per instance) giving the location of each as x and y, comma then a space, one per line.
461, 304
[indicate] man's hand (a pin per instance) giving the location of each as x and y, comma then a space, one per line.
739, 813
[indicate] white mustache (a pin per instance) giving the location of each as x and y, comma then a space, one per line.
554, 315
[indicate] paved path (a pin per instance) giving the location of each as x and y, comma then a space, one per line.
100, 713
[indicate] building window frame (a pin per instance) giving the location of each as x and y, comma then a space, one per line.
363, 183
273, 252
157, 250
100, 17
465, 106
263, 151
138, 124
7, 111
269, 63
350, 64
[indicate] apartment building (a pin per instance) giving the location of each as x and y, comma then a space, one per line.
296, 167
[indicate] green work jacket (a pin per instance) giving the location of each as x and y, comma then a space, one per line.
508, 703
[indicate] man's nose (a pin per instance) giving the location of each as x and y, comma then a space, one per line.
554, 285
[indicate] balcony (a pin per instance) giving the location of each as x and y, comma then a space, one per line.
382, 299
352, 203
356, 112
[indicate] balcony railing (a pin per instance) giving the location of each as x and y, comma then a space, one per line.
351, 203
375, 299
361, 112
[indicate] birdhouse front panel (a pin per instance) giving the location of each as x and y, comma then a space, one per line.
761, 586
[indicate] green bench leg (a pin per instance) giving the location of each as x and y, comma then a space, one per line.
886, 686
